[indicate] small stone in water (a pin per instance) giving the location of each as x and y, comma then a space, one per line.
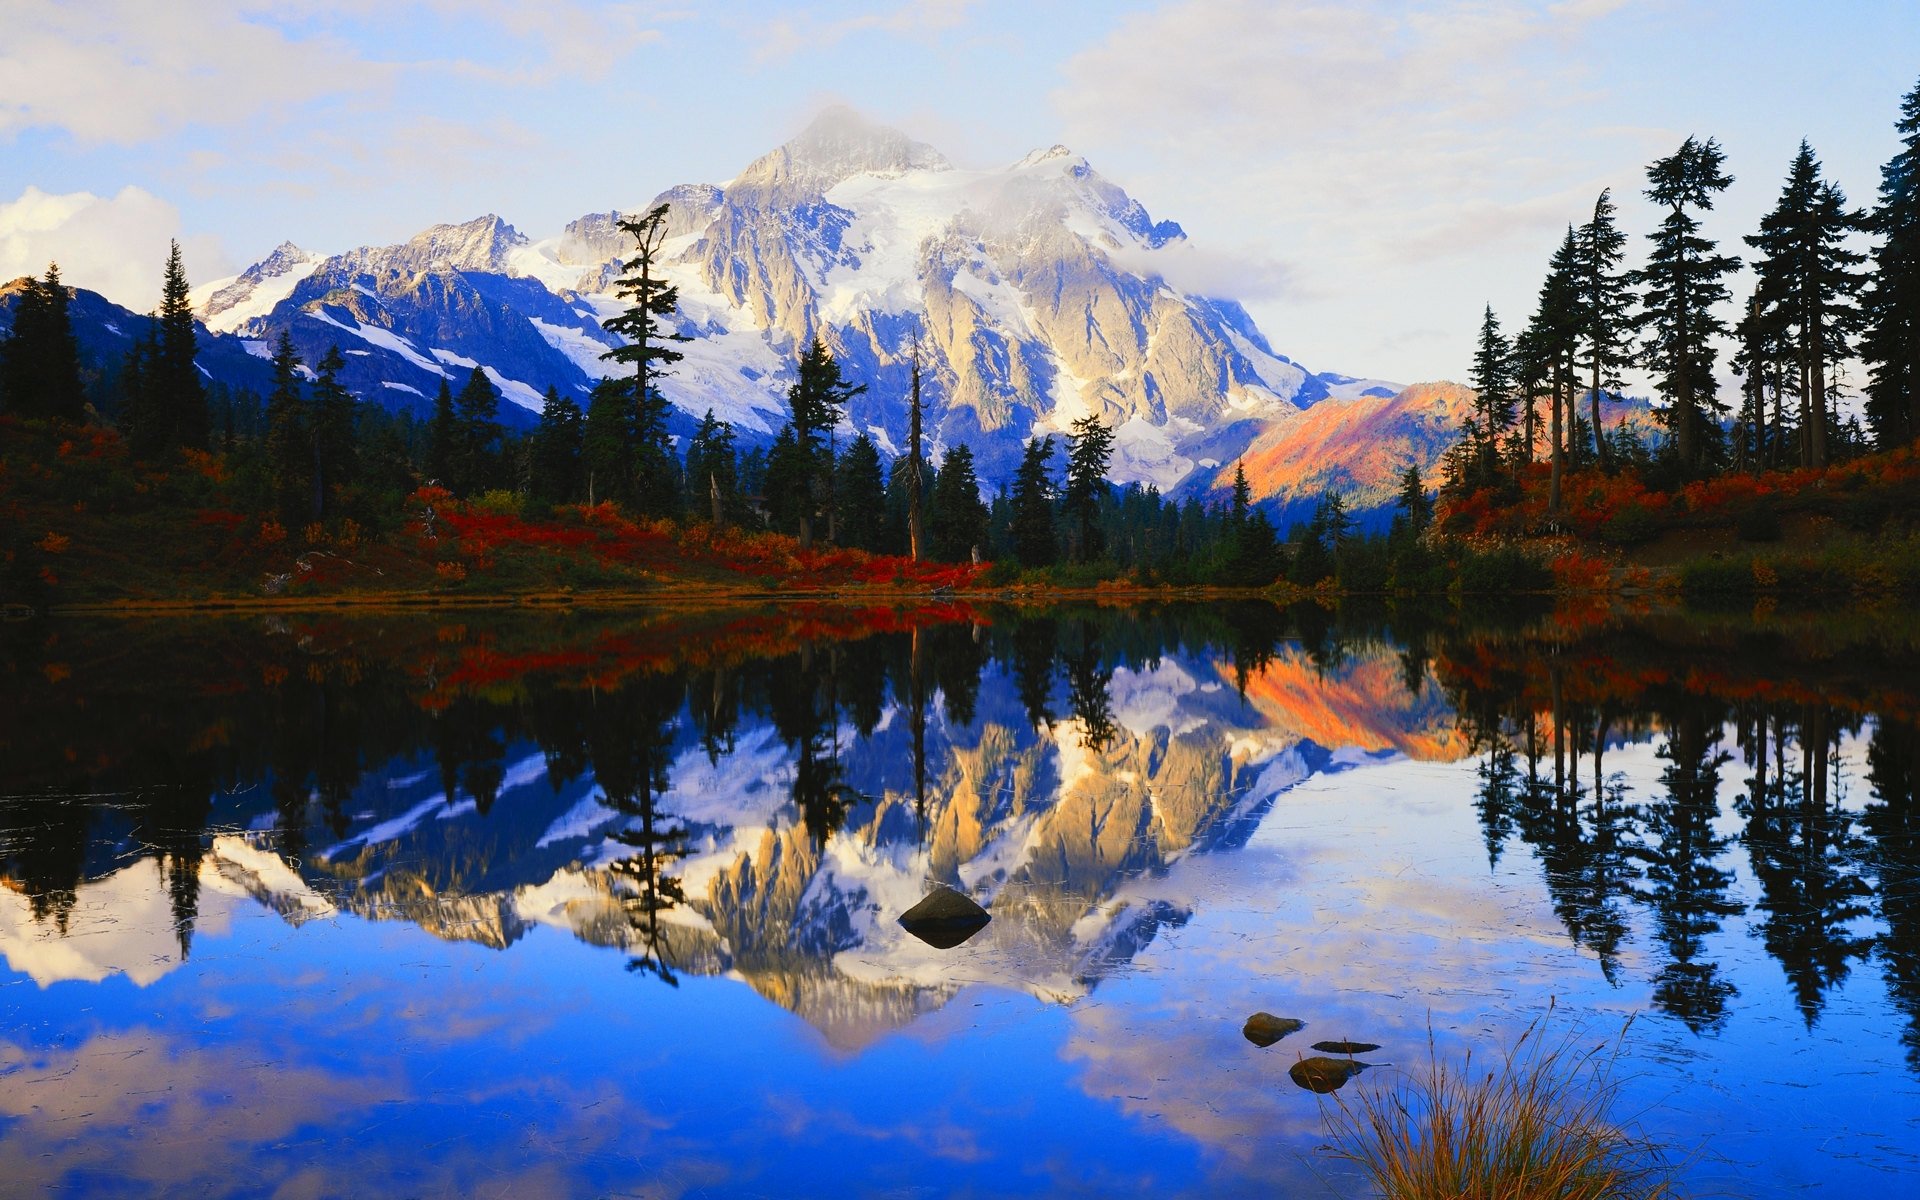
1264, 1029
1324, 1075
1346, 1047
944, 919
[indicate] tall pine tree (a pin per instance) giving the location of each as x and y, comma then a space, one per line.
443, 438
1682, 283
652, 479
289, 436
1492, 378
1089, 446
173, 377
1891, 346
40, 361
958, 520
476, 437
1605, 308
335, 449
860, 490
1807, 282
713, 473
554, 477
1032, 518
818, 394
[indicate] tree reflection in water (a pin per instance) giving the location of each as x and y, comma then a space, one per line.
297, 733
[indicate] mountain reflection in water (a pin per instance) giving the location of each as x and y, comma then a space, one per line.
755, 796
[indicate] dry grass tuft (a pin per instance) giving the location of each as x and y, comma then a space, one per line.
1536, 1127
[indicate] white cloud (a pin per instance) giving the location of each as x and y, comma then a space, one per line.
127, 70
116, 246
781, 39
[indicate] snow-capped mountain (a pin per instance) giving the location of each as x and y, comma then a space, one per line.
1037, 293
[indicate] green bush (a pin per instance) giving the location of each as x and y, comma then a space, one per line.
1632, 525
1717, 578
499, 502
1004, 573
1505, 571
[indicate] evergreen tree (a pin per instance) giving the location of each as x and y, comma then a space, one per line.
1493, 385
1413, 507
443, 434
334, 446
40, 361
606, 450
476, 435
916, 478
651, 483
1683, 281
1031, 518
957, 521
1891, 346
789, 474
289, 436
1241, 502
137, 418
818, 394
1763, 358
1807, 283
713, 476
173, 377
1551, 341
1089, 446
1605, 308
860, 491
555, 475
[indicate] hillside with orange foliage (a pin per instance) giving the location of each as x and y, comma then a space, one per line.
1362, 703
1358, 447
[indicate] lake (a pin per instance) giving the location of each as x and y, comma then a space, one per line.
564, 904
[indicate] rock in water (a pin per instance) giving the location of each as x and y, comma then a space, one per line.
1345, 1047
944, 919
1264, 1029
1324, 1075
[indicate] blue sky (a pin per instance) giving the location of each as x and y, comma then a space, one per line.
1378, 171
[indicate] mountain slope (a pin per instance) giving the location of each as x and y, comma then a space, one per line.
1035, 294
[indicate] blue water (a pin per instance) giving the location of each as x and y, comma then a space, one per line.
287, 959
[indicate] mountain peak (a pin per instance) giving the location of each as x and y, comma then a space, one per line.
838, 144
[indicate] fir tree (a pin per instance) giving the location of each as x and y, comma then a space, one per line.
289, 436
443, 436
1891, 346
1492, 379
1241, 501
1413, 507
818, 394
1089, 446
1031, 519
40, 361
958, 520
1682, 283
173, 377
554, 477
606, 451
713, 477
651, 480
334, 446
860, 491
788, 476
1551, 341
477, 435
1605, 309
1807, 283
916, 482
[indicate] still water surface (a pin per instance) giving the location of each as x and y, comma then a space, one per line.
562, 905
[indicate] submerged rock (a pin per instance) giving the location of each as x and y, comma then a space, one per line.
1345, 1047
1264, 1029
944, 919
1324, 1075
